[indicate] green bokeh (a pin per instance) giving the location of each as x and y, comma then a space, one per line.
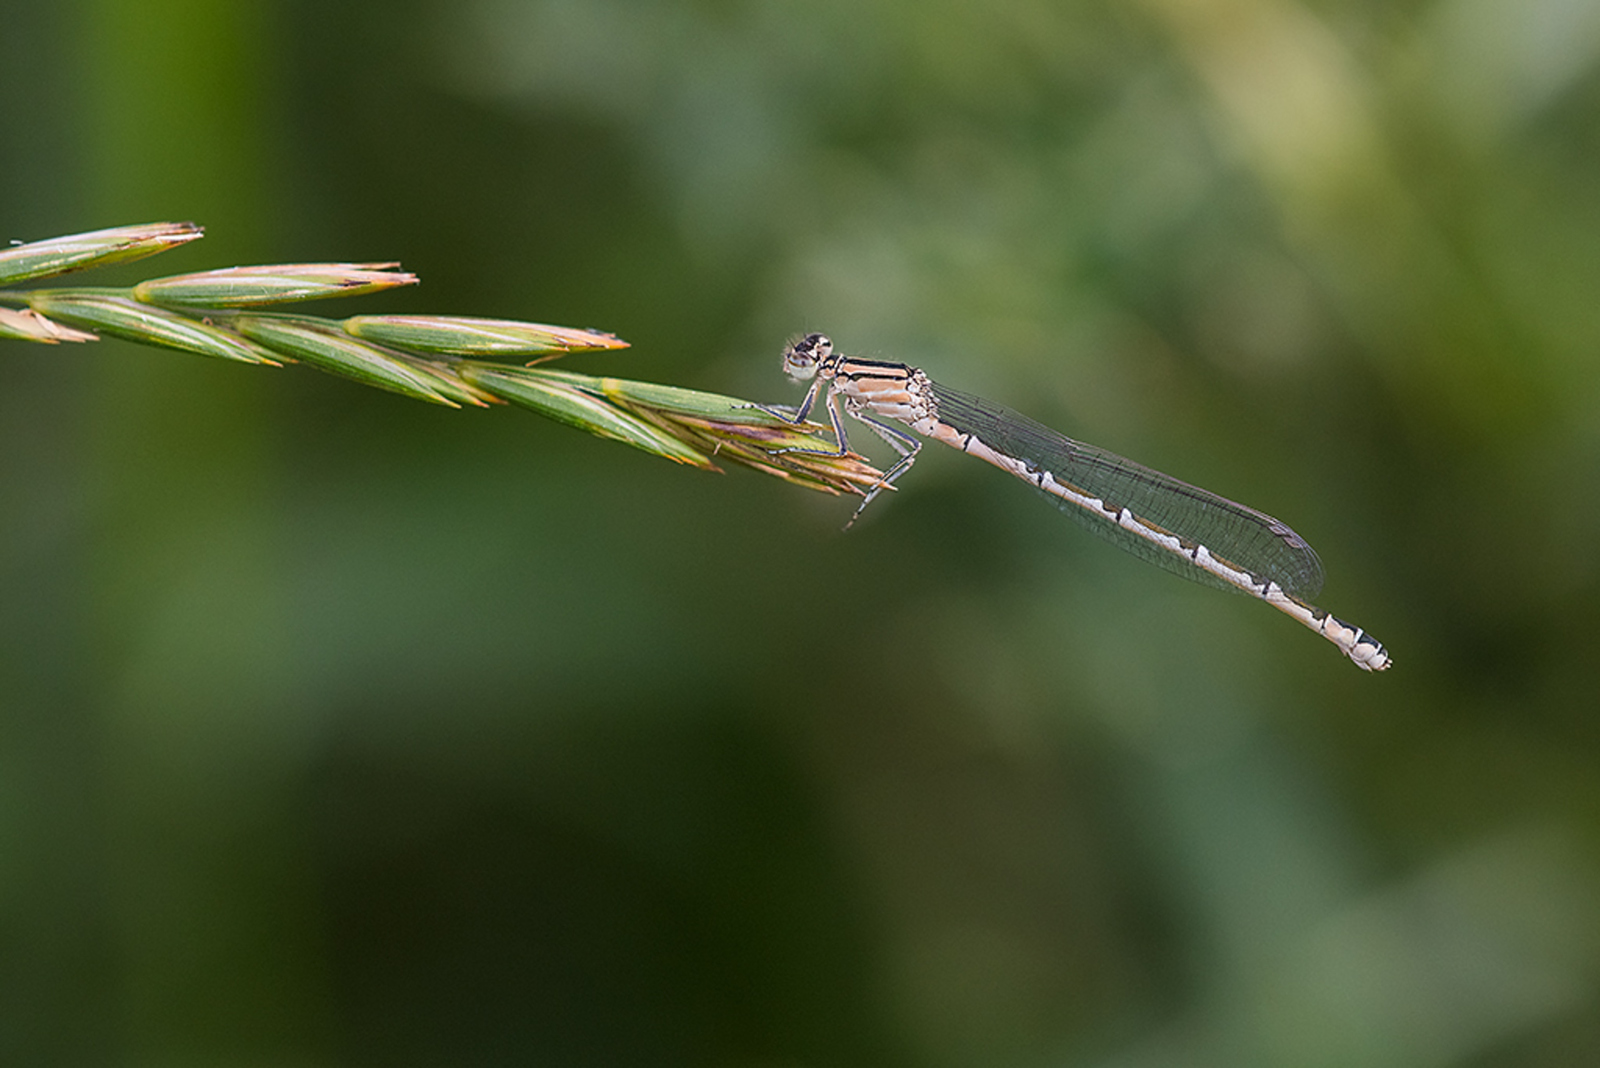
339, 729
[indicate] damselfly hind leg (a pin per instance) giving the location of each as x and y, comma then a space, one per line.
902, 443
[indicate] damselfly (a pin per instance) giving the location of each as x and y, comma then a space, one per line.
1156, 517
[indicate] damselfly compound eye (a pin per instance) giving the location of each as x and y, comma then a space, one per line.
820, 345
800, 358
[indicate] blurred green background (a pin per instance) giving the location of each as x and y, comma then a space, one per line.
342, 730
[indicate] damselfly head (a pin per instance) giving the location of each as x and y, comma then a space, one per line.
801, 358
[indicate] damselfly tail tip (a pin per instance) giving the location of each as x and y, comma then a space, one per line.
1370, 655
1365, 651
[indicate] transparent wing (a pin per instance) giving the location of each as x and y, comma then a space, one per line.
1249, 540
